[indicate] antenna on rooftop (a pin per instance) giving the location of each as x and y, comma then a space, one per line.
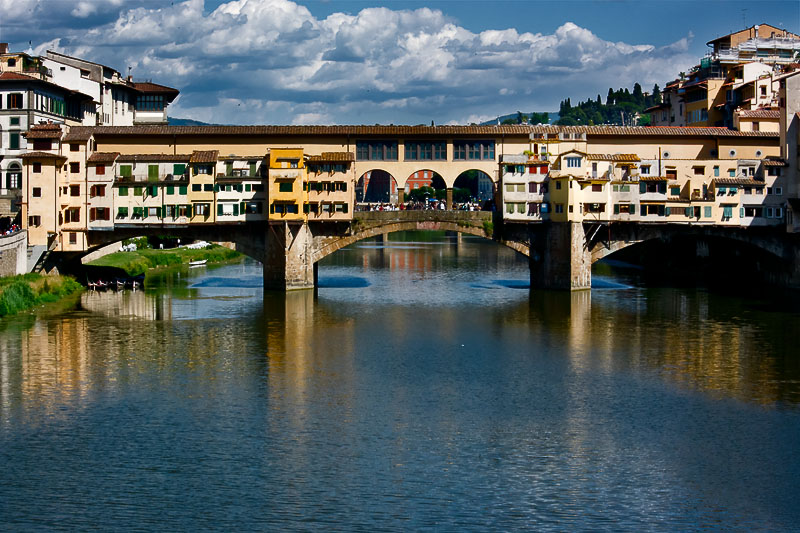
744, 18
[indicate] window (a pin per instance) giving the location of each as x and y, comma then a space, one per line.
285, 186
707, 211
14, 101
699, 171
573, 162
558, 184
376, 150
73, 238
42, 144
138, 191
675, 191
473, 150
645, 169
97, 190
778, 191
202, 209
154, 212
773, 171
126, 171
196, 187
179, 169
99, 213
732, 172
182, 189
152, 190
170, 189
152, 173
73, 214
74, 190
208, 187
34, 221
100, 170
202, 169
74, 147
150, 102
559, 208
716, 171
122, 212
597, 187
12, 62
74, 168
13, 140
425, 151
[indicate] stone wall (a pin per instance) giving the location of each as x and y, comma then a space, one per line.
13, 254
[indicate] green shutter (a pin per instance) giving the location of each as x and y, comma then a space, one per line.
13, 141
122, 212
179, 169
643, 210
239, 188
344, 188
252, 169
216, 188
235, 209
687, 211
182, 189
305, 208
667, 211
123, 191
229, 168
170, 189
153, 190
126, 171
642, 187
158, 212
344, 208
152, 172
219, 209
707, 211
741, 212
243, 207
137, 191
248, 187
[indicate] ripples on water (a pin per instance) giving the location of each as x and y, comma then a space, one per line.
424, 387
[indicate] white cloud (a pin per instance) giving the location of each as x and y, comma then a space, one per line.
283, 65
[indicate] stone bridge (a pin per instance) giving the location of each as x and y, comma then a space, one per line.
560, 253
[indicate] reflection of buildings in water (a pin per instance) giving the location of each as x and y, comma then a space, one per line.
140, 304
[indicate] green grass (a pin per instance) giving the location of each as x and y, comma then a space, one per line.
18, 293
138, 262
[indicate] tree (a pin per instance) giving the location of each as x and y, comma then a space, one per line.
656, 94
638, 96
521, 118
610, 97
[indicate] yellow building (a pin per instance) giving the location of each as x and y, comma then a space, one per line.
286, 184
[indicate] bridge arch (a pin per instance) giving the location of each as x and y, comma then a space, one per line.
376, 186
480, 184
374, 224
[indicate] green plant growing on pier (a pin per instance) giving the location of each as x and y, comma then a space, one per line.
488, 227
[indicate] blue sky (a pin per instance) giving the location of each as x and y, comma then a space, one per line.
367, 62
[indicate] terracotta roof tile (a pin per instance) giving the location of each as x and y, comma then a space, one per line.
761, 113
16, 76
42, 155
78, 134
739, 181
149, 87
148, 158
44, 131
429, 131
103, 157
775, 163
204, 156
653, 178
332, 157
613, 157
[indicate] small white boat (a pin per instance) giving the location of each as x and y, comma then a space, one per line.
198, 263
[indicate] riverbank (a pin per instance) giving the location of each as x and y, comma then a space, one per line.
26, 291
138, 262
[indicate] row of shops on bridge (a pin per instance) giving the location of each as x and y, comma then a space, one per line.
82, 179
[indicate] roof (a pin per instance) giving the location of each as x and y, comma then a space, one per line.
42, 155
103, 157
775, 163
627, 158
153, 88
407, 131
74, 135
749, 182
723, 37
653, 178
204, 156
332, 157
151, 158
656, 107
44, 131
16, 76
761, 113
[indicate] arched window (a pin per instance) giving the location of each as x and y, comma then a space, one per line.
14, 176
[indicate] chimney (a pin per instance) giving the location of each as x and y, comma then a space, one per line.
3, 48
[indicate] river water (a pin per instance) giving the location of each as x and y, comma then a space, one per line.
424, 387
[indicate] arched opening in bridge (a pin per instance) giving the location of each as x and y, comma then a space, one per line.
474, 186
376, 186
425, 186
712, 261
